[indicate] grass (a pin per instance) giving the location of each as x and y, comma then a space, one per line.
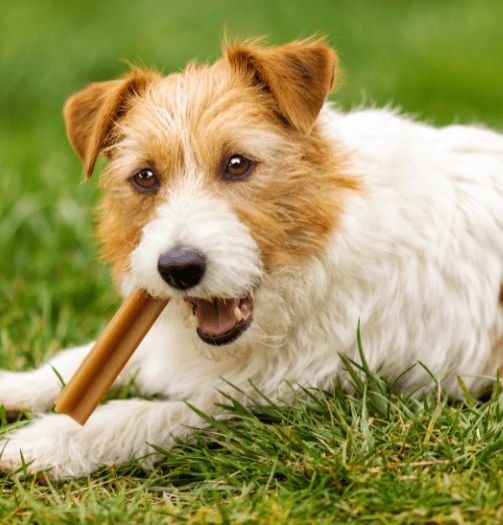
373, 456
370, 456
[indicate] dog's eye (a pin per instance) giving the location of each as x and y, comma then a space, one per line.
237, 167
145, 180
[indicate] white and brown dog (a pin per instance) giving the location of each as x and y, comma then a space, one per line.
274, 223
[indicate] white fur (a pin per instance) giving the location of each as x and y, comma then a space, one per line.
418, 259
232, 256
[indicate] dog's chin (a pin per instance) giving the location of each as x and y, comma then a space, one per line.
221, 321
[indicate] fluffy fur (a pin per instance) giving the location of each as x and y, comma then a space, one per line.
366, 215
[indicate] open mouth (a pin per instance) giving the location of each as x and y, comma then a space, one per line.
221, 321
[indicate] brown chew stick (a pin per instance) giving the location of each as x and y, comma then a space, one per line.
109, 355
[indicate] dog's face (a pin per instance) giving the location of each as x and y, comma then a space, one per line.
217, 176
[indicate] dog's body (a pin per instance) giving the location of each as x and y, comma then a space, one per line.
298, 220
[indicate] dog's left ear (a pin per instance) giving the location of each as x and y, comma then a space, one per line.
92, 113
299, 75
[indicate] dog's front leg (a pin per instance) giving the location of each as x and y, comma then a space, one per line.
114, 434
37, 389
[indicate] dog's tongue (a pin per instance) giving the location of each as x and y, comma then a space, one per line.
215, 317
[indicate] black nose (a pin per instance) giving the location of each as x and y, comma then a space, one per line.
182, 267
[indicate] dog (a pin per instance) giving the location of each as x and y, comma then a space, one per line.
275, 223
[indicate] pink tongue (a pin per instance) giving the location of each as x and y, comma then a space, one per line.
216, 317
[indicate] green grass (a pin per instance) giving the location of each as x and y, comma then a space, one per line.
373, 456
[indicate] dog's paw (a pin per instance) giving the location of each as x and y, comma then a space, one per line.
41, 445
116, 433
58, 443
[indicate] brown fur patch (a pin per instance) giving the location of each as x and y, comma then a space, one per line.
293, 215
120, 227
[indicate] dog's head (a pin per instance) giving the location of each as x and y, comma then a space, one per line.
217, 175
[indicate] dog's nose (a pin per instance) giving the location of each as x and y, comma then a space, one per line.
182, 267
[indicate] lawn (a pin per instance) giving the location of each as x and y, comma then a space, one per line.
372, 456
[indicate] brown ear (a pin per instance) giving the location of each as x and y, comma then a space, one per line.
90, 114
299, 75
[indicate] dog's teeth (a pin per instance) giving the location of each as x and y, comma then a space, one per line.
239, 314
195, 321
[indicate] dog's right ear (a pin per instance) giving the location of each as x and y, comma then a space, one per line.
91, 113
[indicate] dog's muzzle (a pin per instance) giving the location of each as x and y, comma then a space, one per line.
219, 321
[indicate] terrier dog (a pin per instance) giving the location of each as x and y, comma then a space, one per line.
293, 221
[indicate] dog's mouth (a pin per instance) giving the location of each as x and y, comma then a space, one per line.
221, 321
